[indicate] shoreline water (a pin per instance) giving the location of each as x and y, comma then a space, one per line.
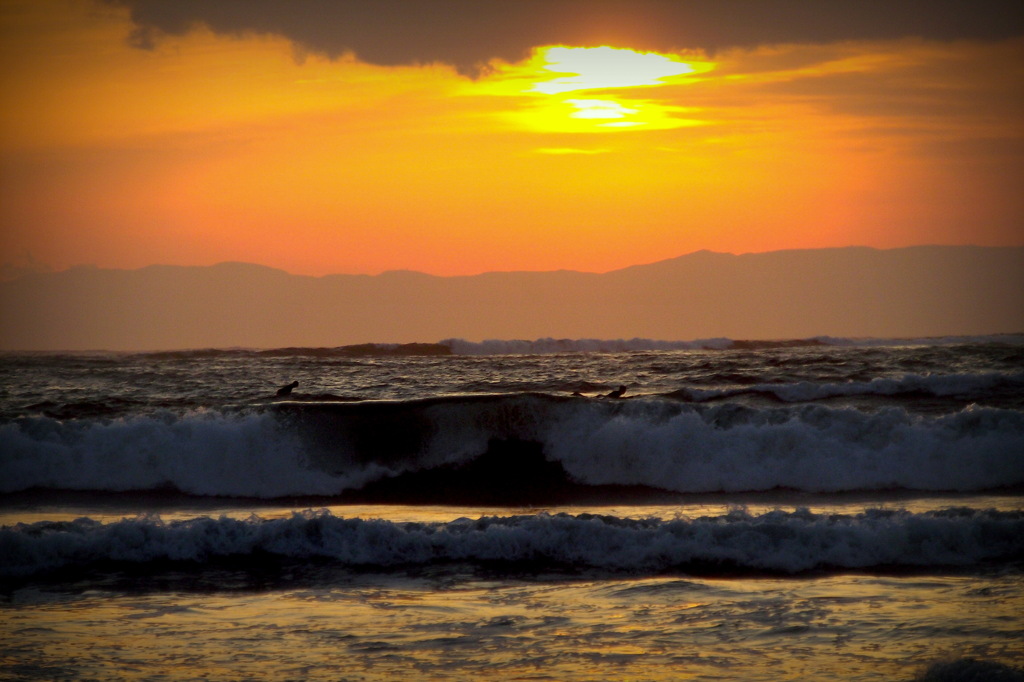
653, 540
66, 503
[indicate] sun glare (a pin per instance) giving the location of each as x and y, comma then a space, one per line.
599, 108
554, 77
600, 68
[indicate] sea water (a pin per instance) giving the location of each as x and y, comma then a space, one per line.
834, 509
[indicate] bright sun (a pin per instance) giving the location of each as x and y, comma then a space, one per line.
552, 72
600, 68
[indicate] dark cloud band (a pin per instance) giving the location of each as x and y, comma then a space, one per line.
468, 33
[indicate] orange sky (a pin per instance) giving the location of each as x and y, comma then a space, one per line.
247, 146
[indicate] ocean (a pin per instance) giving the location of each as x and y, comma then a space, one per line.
824, 509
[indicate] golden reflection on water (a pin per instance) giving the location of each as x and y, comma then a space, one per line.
376, 627
186, 509
454, 623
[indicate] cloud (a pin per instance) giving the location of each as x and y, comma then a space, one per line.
470, 33
938, 95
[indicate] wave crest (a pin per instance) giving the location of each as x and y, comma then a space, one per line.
789, 542
203, 453
332, 449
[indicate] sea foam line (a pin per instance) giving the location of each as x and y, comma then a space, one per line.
790, 542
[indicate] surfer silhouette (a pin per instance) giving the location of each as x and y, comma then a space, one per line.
286, 390
617, 393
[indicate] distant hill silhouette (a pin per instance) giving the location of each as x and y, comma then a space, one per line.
915, 291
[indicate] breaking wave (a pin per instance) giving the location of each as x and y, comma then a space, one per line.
789, 542
535, 444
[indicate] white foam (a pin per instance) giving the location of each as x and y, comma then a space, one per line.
811, 448
781, 541
200, 453
658, 443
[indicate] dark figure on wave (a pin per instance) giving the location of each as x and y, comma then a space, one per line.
617, 393
286, 390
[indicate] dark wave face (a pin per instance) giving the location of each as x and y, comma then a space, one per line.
523, 448
782, 542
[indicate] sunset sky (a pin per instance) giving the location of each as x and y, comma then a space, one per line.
455, 137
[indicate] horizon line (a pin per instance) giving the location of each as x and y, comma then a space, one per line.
548, 344
36, 268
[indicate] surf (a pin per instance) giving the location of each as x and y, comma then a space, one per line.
778, 541
524, 448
